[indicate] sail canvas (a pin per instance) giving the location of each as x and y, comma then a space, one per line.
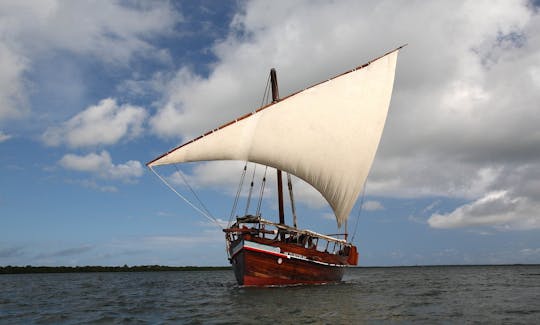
326, 135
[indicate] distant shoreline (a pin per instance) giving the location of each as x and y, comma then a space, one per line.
87, 269
161, 268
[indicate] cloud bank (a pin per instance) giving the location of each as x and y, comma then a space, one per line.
463, 121
113, 32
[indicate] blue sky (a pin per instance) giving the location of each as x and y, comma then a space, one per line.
91, 91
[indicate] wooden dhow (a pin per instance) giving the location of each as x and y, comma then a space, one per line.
326, 135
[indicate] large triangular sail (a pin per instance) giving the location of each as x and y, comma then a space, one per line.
327, 134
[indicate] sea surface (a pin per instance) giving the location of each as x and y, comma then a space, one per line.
428, 295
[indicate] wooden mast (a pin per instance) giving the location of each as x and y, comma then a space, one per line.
275, 98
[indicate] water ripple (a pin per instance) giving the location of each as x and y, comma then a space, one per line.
483, 294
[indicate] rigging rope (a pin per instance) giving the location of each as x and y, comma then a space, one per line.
266, 94
209, 217
193, 192
359, 211
238, 194
261, 193
265, 99
289, 183
250, 189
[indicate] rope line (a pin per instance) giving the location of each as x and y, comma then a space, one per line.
261, 193
359, 211
209, 217
201, 204
250, 190
266, 93
291, 196
240, 185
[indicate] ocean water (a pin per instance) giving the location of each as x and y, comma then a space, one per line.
429, 295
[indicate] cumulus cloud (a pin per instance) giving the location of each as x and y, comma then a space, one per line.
101, 165
497, 209
213, 174
103, 124
111, 32
463, 120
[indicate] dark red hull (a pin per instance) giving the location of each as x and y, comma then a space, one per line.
267, 263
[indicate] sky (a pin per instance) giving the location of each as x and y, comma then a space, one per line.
90, 91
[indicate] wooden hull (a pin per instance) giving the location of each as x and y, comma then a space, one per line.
273, 263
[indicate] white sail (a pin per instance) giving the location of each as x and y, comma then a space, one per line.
326, 135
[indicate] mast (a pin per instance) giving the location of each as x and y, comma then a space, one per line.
275, 98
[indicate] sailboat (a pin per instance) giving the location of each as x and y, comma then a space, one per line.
326, 135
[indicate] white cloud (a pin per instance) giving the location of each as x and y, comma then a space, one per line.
509, 200
345, 28
109, 31
4, 137
225, 176
463, 120
372, 206
102, 166
12, 67
498, 209
213, 174
530, 252
102, 124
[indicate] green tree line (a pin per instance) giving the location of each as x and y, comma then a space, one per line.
92, 268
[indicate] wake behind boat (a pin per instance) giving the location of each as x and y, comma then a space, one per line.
326, 135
